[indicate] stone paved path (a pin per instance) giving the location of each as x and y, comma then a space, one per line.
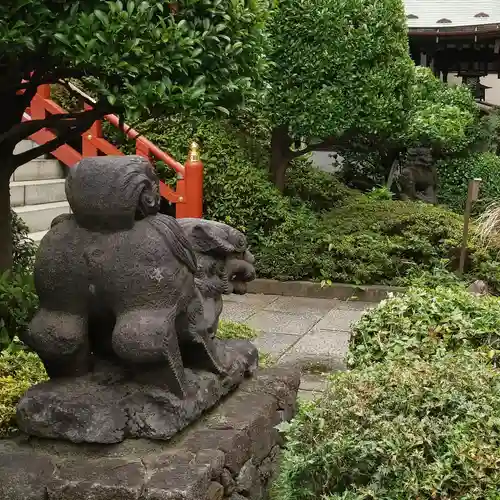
311, 333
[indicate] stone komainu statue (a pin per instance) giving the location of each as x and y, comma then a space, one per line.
418, 178
120, 282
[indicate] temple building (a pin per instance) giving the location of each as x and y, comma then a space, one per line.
459, 40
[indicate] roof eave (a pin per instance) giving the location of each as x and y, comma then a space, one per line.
480, 29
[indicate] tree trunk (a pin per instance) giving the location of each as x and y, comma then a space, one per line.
5, 223
12, 115
280, 156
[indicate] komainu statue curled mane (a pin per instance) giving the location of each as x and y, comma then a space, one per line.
130, 301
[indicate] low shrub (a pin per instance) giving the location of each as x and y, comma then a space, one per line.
398, 430
455, 173
425, 323
18, 304
19, 370
232, 330
23, 247
372, 240
317, 189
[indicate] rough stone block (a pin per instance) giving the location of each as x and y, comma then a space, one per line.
96, 409
231, 453
22, 475
98, 480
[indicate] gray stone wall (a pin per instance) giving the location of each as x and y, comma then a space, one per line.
230, 454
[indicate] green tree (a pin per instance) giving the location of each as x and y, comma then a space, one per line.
441, 117
341, 72
157, 57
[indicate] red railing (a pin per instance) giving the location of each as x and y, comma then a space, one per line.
188, 193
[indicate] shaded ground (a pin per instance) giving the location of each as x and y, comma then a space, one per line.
312, 333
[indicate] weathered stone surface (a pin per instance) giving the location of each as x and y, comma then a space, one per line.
228, 482
106, 408
98, 480
22, 475
215, 491
130, 301
248, 481
178, 476
223, 455
269, 465
237, 496
280, 383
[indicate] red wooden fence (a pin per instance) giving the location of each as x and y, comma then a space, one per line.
188, 194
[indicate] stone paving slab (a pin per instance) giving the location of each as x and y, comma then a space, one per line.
320, 347
300, 305
275, 344
282, 322
307, 332
339, 319
313, 382
238, 312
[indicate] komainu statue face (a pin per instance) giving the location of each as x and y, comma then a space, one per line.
225, 265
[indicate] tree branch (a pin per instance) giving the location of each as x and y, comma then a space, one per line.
66, 132
23, 130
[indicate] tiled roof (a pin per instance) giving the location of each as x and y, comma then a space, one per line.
451, 13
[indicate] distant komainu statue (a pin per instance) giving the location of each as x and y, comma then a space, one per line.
131, 296
418, 178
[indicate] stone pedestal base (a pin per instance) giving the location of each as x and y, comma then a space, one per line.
231, 453
107, 407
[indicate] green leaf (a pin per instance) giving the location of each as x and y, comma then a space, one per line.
101, 16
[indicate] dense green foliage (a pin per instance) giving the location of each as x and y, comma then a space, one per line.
403, 429
18, 299
18, 303
339, 68
23, 248
317, 189
140, 54
319, 230
426, 323
455, 173
442, 116
19, 370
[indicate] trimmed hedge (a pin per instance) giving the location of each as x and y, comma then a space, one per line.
399, 430
426, 323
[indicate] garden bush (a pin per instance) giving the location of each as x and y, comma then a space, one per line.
426, 322
320, 230
319, 190
23, 247
455, 173
404, 429
18, 303
372, 240
19, 370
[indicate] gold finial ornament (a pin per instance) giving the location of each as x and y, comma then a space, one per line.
194, 152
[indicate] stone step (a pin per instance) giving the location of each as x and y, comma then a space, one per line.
37, 170
27, 145
39, 217
37, 192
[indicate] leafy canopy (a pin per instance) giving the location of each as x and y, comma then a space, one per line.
340, 68
139, 54
441, 115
